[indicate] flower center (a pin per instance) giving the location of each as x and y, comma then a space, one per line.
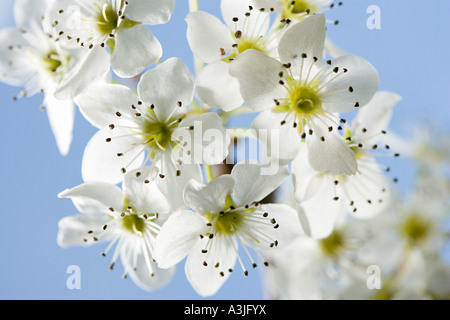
52, 62
383, 294
130, 220
229, 220
134, 224
248, 43
292, 8
354, 145
157, 134
304, 100
107, 19
110, 19
332, 245
243, 44
416, 228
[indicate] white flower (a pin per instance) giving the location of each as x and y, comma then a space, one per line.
152, 125
323, 198
334, 267
422, 220
299, 272
298, 9
291, 12
217, 44
129, 219
117, 24
415, 278
31, 58
300, 97
224, 214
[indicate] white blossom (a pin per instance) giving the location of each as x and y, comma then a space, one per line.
35, 61
225, 214
153, 125
217, 44
300, 96
323, 198
118, 25
129, 219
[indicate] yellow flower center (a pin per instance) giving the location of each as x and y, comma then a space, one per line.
52, 62
243, 44
354, 145
292, 9
109, 20
134, 224
133, 221
229, 220
333, 244
303, 101
157, 134
416, 228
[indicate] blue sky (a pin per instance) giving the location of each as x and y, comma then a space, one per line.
410, 52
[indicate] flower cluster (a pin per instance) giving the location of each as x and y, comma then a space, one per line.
159, 182
399, 255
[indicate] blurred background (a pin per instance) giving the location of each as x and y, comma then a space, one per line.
410, 52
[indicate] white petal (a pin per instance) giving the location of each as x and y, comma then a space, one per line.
206, 281
288, 225
328, 153
304, 177
142, 270
150, 12
146, 196
361, 77
279, 142
93, 66
268, 5
368, 190
320, 212
101, 161
61, 114
217, 88
136, 49
102, 100
177, 237
15, 67
436, 271
165, 86
210, 197
258, 76
306, 37
207, 35
28, 14
252, 184
95, 197
411, 278
175, 180
255, 25
73, 230
208, 141
374, 117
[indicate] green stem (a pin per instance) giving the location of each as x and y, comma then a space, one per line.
209, 172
